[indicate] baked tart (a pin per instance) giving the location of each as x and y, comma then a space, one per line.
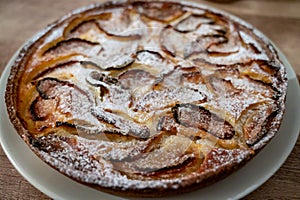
140, 98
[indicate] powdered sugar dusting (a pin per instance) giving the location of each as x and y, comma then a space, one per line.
106, 88
219, 158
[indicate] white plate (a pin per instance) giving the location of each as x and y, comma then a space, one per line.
237, 185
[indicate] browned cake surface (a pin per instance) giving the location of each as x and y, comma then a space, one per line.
135, 96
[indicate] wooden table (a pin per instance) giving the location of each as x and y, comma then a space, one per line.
278, 19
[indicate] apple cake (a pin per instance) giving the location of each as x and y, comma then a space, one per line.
140, 98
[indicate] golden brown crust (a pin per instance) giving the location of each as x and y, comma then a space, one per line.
138, 102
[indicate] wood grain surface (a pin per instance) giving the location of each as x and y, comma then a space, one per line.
278, 19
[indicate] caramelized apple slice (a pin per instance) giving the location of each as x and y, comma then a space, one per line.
112, 95
115, 151
116, 61
79, 21
192, 22
257, 124
256, 72
126, 24
119, 42
166, 98
252, 43
58, 100
51, 87
74, 45
134, 78
186, 44
39, 111
230, 45
192, 75
160, 11
89, 31
168, 124
52, 68
173, 152
126, 127
178, 44
178, 75
222, 87
151, 59
190, 115
99, 149
87, 129
116, 55
61, 151
116, 52
218, 158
